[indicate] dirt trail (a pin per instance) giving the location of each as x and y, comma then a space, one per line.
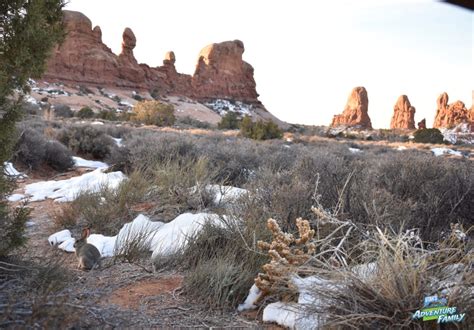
121, 294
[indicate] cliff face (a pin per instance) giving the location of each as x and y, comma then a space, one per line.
84, 59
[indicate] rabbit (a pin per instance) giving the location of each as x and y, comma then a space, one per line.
87, 254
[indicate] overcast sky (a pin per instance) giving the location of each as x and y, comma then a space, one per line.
308, 55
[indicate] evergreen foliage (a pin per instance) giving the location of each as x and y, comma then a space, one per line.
29, 29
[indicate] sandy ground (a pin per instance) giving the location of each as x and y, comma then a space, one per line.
122, 294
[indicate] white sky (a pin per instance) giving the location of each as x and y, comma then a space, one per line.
308, 55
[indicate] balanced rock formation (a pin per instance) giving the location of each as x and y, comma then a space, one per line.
450, 115
356, 111
84, 59
422, 124
403, 114
221, 73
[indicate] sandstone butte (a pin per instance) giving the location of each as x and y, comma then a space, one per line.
355, 112
403, 114
84, 59
450, 115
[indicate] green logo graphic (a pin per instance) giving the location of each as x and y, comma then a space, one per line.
435, 308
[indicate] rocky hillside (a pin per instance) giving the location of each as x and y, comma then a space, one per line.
221, 82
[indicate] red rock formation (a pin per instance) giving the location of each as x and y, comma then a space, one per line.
356, 111
221, 73
84, 59
403, 114
450, 115
422, 124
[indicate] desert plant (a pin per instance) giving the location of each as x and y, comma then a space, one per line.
428, 135
220, 263
58, 156
87, 140
85, 112
229, 121
33, 150
107, 115
154, 113
62, 110
260, 130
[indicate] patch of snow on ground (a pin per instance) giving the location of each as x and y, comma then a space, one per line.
30, 99
441, 151
97, 123
173, 235
67, 190
292, 315
222, 194
284, 314
458, 134
118, 142
10, 170
68, 245
59, 237
401, 148
223, 106
355, 150
15, 197
81, 162
105, 244
163, 238
140, 228
249, 303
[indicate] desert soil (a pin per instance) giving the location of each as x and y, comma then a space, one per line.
122, 294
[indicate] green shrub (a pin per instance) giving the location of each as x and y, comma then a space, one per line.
428, 135
260, 130
58, 156
85, 112
62, 110
193, 122
229, 121
87, 140
154, 113
220, 263
33, 150
107, 115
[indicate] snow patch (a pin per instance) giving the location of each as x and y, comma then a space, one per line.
222, 194
97, 123
67, 190
15, 197
173, 236
251, 300
223, 106
441, 151
401, 148
81, 162
10, 170
140, 228
68, 245
118, 142
59, 237
355, 150
163, 238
